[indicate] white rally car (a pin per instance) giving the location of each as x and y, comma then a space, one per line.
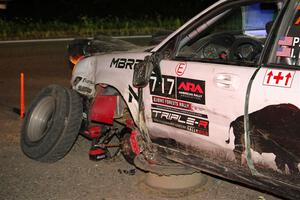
221, 95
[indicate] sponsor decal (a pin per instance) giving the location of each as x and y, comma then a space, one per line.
88, 81
204, 116
84, 86
191, 90
84, 89
279, 122
171, 102
289, 47
279, 78
124, 63
179, 88
181, 121
132, 94
180, 68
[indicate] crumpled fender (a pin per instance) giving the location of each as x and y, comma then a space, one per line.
115, 70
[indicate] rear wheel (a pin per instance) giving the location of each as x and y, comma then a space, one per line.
51, 124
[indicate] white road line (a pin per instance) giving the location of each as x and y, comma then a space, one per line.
132, 36
69, 39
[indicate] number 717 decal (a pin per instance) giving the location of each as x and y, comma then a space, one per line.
170, 82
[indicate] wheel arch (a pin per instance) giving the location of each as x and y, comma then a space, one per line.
127, 98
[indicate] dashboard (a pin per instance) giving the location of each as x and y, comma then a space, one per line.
226, 47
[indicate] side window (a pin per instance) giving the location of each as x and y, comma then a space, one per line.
286, 49
235, 36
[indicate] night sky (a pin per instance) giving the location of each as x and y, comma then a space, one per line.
70, 10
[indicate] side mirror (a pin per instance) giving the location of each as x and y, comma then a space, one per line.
142, 73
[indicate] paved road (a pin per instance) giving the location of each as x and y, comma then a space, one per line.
75, 176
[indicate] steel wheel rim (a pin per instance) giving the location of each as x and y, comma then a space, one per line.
41, 119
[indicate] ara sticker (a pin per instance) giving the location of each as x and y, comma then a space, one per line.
191, 90
279, 78
180, 68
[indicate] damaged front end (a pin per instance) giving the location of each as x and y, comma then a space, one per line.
108, 122
106, 116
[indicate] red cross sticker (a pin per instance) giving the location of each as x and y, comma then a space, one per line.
279, 78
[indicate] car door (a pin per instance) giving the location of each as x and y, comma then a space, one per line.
273, 104
205, 71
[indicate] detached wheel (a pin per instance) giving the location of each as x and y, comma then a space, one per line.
51, 124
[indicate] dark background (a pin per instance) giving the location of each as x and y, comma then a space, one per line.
70, 10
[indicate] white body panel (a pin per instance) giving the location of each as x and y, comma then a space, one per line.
225, 92
263, 94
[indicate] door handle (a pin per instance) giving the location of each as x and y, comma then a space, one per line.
226, 81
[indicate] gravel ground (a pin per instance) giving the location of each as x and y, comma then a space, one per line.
75, 176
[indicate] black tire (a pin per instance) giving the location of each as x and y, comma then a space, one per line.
52, 124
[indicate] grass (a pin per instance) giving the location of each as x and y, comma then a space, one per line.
83, 27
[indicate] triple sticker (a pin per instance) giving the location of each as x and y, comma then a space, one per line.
279, 78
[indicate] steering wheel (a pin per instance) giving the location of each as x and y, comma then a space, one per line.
219, 40
245, 49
